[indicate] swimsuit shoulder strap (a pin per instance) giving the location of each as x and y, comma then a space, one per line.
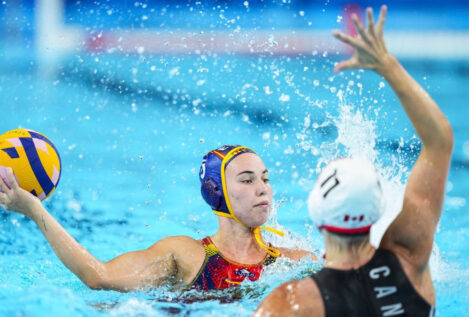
209, 246
210, 250
269, 259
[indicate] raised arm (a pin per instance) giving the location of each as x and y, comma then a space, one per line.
411, 234
141, 269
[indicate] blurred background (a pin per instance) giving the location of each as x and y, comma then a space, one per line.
134, 93
230, 27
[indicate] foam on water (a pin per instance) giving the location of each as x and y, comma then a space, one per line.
135, 307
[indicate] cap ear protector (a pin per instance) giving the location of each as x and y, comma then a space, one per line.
214, 191
212, 176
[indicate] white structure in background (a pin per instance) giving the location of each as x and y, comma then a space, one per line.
53, 37
431, 44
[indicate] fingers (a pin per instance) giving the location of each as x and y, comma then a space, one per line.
347, 38
3, 186
370, 21
351, 63
11, 178
3, 200
381, 20
360, 29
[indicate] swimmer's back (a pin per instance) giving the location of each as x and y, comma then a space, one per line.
352, 293
378, 288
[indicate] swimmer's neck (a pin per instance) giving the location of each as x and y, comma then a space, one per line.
236, 241
348, 258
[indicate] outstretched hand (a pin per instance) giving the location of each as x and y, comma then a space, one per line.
13, 197
370, 49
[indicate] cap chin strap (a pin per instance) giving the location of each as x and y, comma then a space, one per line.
271, 250
257, 231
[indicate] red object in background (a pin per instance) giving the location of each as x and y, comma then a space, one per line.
348, 11
349, 28
97, 43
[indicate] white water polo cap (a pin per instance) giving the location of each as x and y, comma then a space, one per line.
347, 197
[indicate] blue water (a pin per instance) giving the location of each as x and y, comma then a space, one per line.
131, 137
132, 130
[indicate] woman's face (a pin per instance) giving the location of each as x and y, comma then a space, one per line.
249, 190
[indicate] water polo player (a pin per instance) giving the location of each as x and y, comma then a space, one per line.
358, 280
235, 183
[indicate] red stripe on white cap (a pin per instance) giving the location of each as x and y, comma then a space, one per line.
346, 230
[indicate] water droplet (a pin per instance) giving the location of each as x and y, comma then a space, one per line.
267, 90
284, 98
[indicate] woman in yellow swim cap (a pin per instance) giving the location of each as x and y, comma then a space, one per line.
235, 183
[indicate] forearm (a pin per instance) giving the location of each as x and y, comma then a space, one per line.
429, 122
74, 256
130, 271
133, 270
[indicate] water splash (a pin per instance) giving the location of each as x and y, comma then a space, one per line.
135, 307
356, 133
357, 136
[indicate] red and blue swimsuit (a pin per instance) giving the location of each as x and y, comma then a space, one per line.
218, 272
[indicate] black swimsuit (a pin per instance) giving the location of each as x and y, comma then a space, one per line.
378, 288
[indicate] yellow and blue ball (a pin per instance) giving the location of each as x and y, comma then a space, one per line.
34, 160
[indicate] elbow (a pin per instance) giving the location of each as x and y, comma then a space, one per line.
447, 138
441, 141
450, 137
102, 281
95, 283
104, 285
97, 279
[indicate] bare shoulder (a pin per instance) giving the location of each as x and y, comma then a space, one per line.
294, 298
183, 248
294, 254
176, 243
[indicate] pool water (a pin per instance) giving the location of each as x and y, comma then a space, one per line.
131, 132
